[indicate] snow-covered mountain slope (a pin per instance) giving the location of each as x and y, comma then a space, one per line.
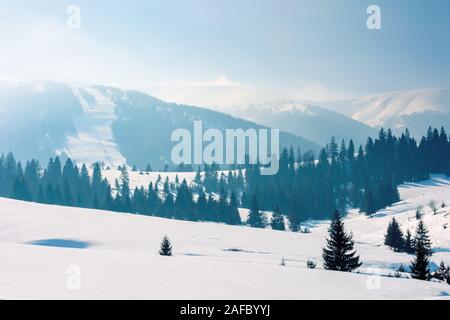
46, 249
93, 137
310, 121
95, 123
414, 109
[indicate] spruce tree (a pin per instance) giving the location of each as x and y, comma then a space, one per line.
368, 202
40, 196
442, 273
233, 216
394, 236
166, 247
201, 206
169, 206
339, 254
124, 190
277, 221
408, 243
198, 177
255, 218
294, 224
420, 264
20, 189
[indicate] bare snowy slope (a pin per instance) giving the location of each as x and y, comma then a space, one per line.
115, 255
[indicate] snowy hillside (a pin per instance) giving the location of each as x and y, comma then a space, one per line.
94, 138
415, 109
116, 255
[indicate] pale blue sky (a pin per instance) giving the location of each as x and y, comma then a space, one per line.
271, 44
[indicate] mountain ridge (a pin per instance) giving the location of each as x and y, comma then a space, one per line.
413, 109
102, 123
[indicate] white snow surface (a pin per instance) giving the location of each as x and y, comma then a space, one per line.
94, 138
119, 258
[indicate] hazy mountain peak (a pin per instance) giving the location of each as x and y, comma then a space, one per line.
415, 109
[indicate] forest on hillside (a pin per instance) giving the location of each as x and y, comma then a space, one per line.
307, 186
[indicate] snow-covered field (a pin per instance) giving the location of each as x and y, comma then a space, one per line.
71, 253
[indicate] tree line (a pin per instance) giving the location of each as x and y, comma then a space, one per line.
345, 177
305, 187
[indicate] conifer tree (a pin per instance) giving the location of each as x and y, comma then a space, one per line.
184, 203
408, 243
40, 195
339, 254
31, 176
201, 205
169, 206
277, 221
198, 177
394, 236
124, 190
50, 194
255, 218
240, 184
96, 179
67, 194
233, 216
420, 264
108, 202
419, 212
294, 224
166, 247
95, 202
166, 187
442, 273
245, 201
20, 189
223, 204
58, 195
368, 202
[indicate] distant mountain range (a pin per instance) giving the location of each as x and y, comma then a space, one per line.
309, 121
413, 109
97, 123
319, 120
